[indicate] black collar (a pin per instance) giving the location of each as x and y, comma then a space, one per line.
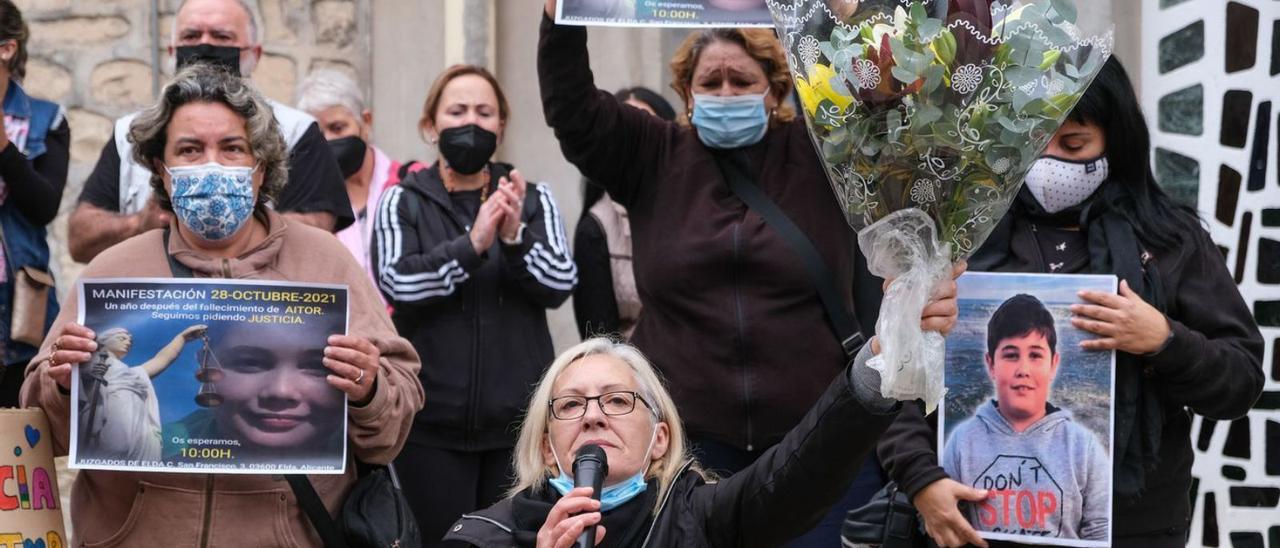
625, 525
430, 185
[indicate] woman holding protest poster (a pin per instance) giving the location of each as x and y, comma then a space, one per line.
1184, 337
730, 315
218, 159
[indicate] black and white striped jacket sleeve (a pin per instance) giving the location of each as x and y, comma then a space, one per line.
409, 269
541, 263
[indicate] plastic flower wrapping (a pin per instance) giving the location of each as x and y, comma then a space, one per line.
927, 115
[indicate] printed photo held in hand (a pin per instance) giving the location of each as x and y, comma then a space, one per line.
209, 375
664, 13
927, 116
1028, 415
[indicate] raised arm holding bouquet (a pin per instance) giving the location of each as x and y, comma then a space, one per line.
927, 116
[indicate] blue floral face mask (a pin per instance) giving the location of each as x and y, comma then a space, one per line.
211, 200
614, 495
730, 122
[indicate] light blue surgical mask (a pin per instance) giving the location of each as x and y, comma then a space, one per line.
730, 122
614, 495
211, 200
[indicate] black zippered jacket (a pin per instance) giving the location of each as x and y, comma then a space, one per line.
479, 321
781, 495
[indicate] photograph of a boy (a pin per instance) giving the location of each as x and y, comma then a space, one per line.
600, 9
1047, 475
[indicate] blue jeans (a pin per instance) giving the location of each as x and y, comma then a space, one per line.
726, 460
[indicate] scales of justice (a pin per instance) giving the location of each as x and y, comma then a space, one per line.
208, 371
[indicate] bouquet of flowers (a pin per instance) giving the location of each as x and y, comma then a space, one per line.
927, 115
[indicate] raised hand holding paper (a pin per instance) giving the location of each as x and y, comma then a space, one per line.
664, 13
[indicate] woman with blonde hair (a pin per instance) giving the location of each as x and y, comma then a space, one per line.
730, 315
607, 393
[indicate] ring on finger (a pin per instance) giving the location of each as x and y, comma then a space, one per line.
360, 377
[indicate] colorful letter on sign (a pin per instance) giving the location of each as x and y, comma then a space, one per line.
30, 509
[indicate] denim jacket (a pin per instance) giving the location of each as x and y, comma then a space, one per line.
24, 243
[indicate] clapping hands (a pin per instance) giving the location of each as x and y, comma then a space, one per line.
499, 215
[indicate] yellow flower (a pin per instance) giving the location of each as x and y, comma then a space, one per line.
817, 88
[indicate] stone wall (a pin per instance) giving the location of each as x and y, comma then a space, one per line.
1209, 93
100, 60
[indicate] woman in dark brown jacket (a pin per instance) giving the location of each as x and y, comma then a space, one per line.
730, 317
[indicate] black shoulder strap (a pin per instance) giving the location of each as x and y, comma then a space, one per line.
732, 166
178, 269
316, 513
302, 489
405, 168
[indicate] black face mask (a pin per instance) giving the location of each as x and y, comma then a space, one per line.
468, 148
349, 151
225, 57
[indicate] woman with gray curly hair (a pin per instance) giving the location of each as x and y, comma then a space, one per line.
217, 161
252, 160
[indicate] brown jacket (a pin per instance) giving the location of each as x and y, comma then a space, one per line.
158, 509
730, 317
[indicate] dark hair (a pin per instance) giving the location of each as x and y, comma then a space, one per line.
591, 193
649, 97
1019, 316
1111, 104
13, 27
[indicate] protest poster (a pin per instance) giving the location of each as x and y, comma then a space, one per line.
209, 375
664, 13
1028, 414
30, 507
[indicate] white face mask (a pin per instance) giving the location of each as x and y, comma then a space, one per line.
1062, 184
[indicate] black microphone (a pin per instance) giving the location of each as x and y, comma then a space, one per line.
590, 466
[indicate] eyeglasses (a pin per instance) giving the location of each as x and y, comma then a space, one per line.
567, 408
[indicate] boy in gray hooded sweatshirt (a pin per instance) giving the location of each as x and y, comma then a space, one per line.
1046, 475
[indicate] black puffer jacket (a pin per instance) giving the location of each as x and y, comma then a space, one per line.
781, 495
479, 321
